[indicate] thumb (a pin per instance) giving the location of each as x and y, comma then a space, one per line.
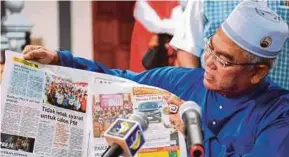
173, 99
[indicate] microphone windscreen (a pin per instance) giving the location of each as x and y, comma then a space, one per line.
189, 105
141, 118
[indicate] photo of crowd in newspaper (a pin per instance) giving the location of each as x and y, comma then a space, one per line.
107, 108
65, 93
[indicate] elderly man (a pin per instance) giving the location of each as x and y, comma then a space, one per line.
202, 18
243, 112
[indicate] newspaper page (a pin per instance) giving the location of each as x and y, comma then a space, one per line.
117, 99
43, 110
53, 111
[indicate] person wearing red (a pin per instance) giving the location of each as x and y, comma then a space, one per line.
152, 17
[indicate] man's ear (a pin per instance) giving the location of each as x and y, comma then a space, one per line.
260, 71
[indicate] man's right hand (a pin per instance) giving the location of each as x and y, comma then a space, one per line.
40, 54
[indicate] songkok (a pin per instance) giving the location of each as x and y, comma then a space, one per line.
256, 28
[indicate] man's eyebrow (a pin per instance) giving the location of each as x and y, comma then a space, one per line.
223, 53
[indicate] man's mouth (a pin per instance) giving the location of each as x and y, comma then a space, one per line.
208, 77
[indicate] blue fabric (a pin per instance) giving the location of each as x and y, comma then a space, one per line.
254, 49
280, 73
215, 12
253, 125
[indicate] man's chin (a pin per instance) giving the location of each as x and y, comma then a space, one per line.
209, 84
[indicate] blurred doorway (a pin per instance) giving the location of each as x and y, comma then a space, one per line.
112, 28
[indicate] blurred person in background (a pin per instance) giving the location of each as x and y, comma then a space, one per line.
154, 20
159, 53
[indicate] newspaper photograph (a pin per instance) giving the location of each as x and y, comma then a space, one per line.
43, 110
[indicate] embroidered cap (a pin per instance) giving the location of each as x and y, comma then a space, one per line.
257, 29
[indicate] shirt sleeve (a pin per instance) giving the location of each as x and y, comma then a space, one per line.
159, 77
189, 33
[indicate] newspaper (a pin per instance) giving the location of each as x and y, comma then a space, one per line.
43, 110
113, 99
56, 111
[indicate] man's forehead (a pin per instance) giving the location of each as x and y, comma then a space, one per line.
223, 44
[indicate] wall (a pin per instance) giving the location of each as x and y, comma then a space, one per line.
44, 16
81, 25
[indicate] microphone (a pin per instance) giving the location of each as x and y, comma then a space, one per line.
125, 136
190, 114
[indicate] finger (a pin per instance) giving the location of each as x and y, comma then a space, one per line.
181, 127
175, 119
172, 120
166, 110
173, 99
30, 47
178, 125
1, 71
26, 49
166, 96
35, 54
177, 122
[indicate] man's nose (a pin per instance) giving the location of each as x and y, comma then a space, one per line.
210, 61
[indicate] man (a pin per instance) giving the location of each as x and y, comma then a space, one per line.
243, 112
202, 18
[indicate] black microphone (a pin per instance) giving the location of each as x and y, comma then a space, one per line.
190, 114
125, 136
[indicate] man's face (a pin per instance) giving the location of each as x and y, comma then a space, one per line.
227, 80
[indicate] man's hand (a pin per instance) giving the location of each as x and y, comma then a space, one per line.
2, 63
175, 119
40, 54
1, 71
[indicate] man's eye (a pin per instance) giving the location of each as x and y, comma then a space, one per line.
224, 62
227, 64
224, 59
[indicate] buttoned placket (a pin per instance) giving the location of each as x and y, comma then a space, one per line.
221, 107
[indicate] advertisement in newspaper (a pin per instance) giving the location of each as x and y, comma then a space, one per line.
43, 110
116, 99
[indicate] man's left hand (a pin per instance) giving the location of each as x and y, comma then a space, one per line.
174, 104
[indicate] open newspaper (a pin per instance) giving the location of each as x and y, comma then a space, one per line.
57, 111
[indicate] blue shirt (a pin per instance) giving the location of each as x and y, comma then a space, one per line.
252, 125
